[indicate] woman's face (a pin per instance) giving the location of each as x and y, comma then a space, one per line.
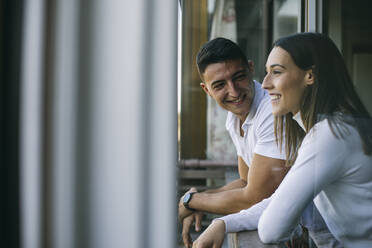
285, 82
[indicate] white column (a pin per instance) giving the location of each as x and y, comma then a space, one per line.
63, 118
30, 124
162, 124
113, 126
133, 122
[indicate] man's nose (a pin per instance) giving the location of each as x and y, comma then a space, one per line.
233, 89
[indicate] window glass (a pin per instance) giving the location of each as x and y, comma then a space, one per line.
286, 17
348, 24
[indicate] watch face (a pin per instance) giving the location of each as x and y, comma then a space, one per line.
186, 199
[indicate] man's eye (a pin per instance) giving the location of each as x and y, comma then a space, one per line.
276, 72
218, 86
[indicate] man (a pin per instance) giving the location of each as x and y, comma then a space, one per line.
227, 77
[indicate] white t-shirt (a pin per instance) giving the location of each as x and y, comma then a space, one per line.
258, 129
334, 172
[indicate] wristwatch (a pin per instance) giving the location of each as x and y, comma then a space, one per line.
187, 199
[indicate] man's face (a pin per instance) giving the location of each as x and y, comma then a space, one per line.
230, 84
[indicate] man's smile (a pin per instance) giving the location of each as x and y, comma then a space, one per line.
238, 100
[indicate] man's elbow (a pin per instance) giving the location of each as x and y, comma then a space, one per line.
251, 196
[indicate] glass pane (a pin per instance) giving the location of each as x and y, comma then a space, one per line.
348, 24
286, 17
252, 36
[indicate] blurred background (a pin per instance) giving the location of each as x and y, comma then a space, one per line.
103, 122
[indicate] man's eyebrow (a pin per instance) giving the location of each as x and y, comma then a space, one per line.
238, 72
216, 82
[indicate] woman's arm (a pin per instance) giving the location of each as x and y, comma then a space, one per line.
246, 219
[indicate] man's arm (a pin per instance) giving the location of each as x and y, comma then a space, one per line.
264, 176
238, 183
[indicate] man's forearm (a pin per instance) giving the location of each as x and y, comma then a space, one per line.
236, 184
225, 202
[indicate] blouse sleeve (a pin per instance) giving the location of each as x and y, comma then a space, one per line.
246, 219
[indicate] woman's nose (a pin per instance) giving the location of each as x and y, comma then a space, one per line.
266, 84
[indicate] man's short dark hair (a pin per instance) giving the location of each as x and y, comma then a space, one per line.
216, 51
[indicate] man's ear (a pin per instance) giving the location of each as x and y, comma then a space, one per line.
205, 88
251, 66
309, 77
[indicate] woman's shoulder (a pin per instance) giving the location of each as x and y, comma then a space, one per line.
336, 128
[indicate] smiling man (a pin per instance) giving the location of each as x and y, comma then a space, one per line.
227, 77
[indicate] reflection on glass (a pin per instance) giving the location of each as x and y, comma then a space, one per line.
252, 32
286, 16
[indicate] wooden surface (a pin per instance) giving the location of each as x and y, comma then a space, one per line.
193, 124
247, 239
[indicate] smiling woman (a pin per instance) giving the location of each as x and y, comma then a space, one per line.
324, 121
330, 148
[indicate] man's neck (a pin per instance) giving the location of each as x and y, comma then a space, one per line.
241, 121
244, 116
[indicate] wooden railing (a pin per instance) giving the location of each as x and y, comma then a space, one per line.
195, 163
248, 239
203, 174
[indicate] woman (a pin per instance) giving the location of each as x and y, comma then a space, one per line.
328, 143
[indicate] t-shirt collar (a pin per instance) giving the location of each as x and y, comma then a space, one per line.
258, 94
233, 120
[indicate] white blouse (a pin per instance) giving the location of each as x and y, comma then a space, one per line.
335, 173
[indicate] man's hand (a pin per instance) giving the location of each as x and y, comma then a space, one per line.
182, 211
186, 225
212, 237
